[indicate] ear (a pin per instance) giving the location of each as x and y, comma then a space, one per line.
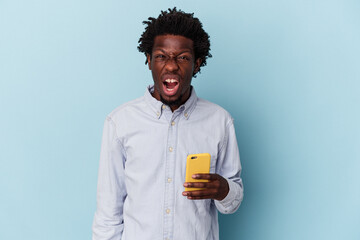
197, 65
148, 57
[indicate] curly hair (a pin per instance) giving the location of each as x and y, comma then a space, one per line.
176, 22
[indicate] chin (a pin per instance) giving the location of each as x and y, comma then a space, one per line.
171, 101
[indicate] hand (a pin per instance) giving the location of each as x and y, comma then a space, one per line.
217, 188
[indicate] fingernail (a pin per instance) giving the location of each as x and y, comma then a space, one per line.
194, 176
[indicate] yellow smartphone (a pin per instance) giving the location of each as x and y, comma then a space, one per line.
197, 163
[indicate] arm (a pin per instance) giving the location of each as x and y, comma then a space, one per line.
226, 187
111, 191
229, 167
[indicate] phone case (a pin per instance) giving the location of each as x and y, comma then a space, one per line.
197, 163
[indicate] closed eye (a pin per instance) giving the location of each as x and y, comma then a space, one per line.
183, 58
160, 56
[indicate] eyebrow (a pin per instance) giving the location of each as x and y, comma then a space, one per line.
184, 51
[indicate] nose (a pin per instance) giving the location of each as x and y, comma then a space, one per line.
171, 65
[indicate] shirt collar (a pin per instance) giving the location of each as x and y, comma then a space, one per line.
156, 106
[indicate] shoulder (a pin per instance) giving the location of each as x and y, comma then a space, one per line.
206, 107
126, 108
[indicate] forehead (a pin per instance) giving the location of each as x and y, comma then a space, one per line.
173, 43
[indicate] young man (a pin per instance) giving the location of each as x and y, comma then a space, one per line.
141, 190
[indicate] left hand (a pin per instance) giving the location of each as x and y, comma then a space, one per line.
217, 188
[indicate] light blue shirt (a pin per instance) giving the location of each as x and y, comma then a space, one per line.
142, 170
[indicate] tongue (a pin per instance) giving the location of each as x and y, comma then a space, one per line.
171, 85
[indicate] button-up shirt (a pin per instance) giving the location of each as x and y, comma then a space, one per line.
142, 170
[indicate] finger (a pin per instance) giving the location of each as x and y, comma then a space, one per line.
208, 176
201, 197
200, 193
201, 185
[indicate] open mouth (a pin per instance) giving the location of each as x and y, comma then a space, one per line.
170, 86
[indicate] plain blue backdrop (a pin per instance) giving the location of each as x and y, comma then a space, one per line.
287, 71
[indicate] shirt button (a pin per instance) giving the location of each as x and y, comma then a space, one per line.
167, 211
185, 114
157, 114
171, 149
163, 106
169, 180
172, 123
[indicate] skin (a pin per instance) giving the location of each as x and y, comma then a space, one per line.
173, 57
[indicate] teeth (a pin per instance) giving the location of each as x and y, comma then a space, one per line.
170, 80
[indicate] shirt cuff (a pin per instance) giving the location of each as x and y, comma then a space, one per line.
232, 200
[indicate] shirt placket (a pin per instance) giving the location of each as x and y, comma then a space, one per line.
169, 175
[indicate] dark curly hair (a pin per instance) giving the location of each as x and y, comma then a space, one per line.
176, 22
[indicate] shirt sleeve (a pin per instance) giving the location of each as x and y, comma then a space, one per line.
228, 166
111, 190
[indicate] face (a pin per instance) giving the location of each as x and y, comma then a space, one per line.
172, 64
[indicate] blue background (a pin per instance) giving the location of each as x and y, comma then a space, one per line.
288, 72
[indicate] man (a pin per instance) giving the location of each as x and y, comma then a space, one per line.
145, 143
